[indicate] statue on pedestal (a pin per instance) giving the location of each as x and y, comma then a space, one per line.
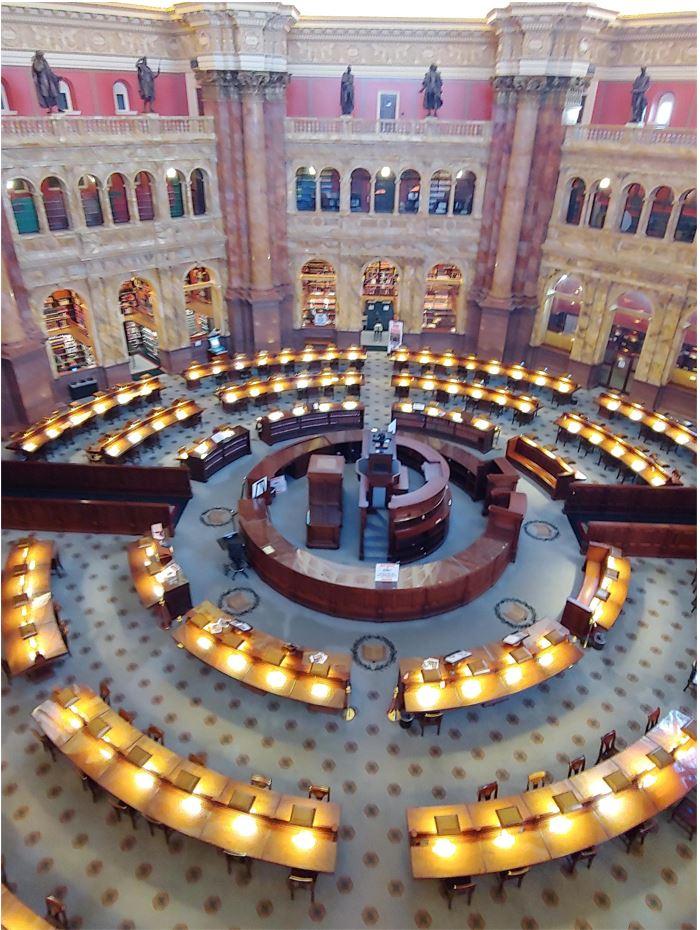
147, 84
347, 92
639, 100
432, 86
46, 83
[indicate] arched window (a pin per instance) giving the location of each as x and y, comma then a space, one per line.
199, 301
143, 188
687, 218
577, 195
562, 307
121, 97
441, 298
68, 330
21, 194
629, 221
65, 97
197, 192
137, 302
174, 181
329, 190
600, 201
54, 204
89, 188
359, 191
465, 182
318, 294
409, 191
660, 212
631, 315
686, 368
664, 109
306, 189
384, 190
380, 289
440, 185
118, 203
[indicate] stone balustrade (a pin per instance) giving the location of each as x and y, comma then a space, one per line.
76, 129
297, 127
630, 136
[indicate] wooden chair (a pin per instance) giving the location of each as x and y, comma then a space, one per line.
576, 766
91, 786
56, 912
685, 813
690, 683
46, 743
302, 879
652, 719
238, 859
3, 870
537, 780
430, 719
199, 758
64, 630
154, 825
57, 566
487, 792
127, 715
121, 807
320, 792
6, 669
512, 875
156, 734
458, 886
261, 781
607, 746
583, 855
638, 833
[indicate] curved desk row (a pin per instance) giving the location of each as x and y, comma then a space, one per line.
575, 426
349, 591
310, 419
31, 633
114, 446
189, 798
562, 386
17, 916
542, 464
264, 663
487, 673
204, 457
525, 406
606, 578
477, 432
663, 427
236, 396
271, 362
159, 582
560, 819
66, 421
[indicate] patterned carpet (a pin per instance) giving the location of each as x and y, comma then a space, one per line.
57, 841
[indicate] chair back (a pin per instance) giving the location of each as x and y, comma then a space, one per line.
320, 792
576, 766
653, 719
487, 792
607, 744
127, 715
56, 911
199, 758
105, 691
156, 734
261, 781
536, 780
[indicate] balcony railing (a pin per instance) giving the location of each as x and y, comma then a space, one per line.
311, 127
632, 135
67, 128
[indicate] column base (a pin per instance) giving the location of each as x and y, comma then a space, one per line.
493, 330
117, 374
584, 374
27, 387
175, 360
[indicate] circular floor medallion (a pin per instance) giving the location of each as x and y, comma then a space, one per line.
239, 601
515, 613
541, 529
216, 516
373, 652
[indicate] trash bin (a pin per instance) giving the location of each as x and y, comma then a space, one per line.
598, 639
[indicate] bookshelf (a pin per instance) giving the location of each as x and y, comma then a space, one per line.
65, 317
318, 294
441, 296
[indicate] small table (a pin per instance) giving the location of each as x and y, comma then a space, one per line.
325, 517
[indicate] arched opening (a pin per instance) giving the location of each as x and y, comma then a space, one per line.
65, 97
318, 294
199, 302
359, 191
380, 291
660, 214
465, 182
687, 218
441, 298
120, 93
384, 190
54, 198
67, 327
409, 191
329, 190
685, 371
118, 202
137, 301
21, 194
440, 187
562, 306
600, 201
198, 193
174, 181
89, 188
143, 188
632, 210
632, 313
574, 206
306, 188
664, 109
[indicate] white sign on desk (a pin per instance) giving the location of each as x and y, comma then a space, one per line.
386, 572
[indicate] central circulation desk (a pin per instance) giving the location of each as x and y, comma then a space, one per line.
548, 823
191, 799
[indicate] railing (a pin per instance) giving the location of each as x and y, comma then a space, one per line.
632, 135
19, 128
312, 127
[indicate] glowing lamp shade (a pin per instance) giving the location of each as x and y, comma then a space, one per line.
204, 642
245, 825
191, 805
658, 426
635, 415
477, 394
470, 688
349, 404
617, 450
596, 439
513, 675
540, 380
613, 405
106, 753
427, 696
545, 660
144, 780
29, 446
648, 779
609, 805
52, 432
319, 690
237, 662
658, 480
682, 439
304, 840
638, 465
573, 428
444, 848
276, 679
181, 414
504, 840
559, 825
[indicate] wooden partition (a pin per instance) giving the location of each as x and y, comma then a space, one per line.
127, 481
542, 464
60, 515
647, 540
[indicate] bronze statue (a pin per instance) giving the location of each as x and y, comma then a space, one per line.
347, 92
46, 83
432, 85
639, 100
147, 84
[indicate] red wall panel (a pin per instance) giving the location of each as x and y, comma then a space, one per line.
613, 102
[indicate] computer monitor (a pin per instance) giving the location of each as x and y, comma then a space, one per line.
259, 488
391, 428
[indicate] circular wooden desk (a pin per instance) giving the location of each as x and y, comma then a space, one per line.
350, 591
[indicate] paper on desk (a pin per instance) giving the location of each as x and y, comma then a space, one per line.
386, 572
278, 484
